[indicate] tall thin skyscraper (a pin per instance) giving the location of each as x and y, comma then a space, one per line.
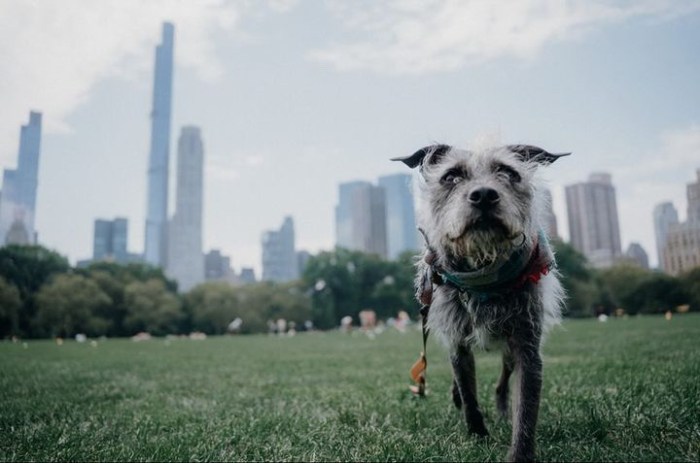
360, 218
593, 222
279, 257
18, 199
157, 211
185, 260
402, 234
665, 215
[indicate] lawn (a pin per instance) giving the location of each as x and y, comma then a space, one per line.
628, 389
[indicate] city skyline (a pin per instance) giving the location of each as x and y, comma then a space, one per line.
299, 94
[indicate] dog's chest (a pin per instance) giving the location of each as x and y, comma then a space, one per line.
494, 317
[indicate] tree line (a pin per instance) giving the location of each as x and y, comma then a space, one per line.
41, 295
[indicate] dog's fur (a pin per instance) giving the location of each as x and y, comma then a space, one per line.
463, 235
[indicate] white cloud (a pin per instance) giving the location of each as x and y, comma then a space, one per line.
415, 37
654, 177
54, 52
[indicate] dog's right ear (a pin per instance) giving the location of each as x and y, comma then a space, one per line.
432, 152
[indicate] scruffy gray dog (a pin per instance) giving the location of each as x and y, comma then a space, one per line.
488, 272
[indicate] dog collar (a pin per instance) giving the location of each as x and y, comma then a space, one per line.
510, 272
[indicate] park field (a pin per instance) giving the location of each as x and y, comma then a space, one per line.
624, 390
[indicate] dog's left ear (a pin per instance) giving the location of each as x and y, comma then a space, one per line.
533, 153
433, 152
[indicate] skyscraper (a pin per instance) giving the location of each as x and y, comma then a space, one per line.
360, 218
157, 209
185, 260
402, 234
665, 215
593, 223
18, 199
110, 240
682, 247
636, 254
693, 195
217, 267
279, 258
550, 219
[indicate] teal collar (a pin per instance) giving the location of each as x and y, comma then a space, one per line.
509, 272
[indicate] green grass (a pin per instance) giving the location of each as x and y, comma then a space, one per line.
622, 390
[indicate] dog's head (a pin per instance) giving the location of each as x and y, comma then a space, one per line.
474, 205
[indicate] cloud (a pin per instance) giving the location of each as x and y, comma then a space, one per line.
417, 37
656, 176
233, 167
676, 155
53, 53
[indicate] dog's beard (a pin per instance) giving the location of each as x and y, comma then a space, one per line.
482, 242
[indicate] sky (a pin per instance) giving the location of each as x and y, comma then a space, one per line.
295, 96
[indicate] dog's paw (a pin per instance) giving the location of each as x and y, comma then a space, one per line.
475, 424
479, 430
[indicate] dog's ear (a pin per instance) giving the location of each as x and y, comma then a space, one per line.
432, 152
533, 153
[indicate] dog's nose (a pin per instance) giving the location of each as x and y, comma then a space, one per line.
484, 198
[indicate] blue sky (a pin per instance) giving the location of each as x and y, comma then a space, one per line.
294, 97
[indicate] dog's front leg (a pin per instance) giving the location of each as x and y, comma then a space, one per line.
465, 380
528, 385
502, 387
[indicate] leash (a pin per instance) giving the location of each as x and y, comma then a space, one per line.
419, 368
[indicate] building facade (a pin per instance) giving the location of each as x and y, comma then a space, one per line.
636, 255
185, 261
401, 227
593, 221
19, 187
279, 257
665, 216
360, 218
156, 247
682, 248
550, 219
217, 267
110, 241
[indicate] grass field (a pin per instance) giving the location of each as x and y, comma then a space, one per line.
617, 391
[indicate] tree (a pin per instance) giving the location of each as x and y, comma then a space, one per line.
70, 304
691, 281
212, 306
345, 282
577, 278
28, 268
116, 311
659, 293
151, 308
10, 304
624, 281
134, 271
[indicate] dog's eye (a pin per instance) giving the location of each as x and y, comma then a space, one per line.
452, 179
507, 173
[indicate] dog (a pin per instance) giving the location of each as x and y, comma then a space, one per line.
488, 272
